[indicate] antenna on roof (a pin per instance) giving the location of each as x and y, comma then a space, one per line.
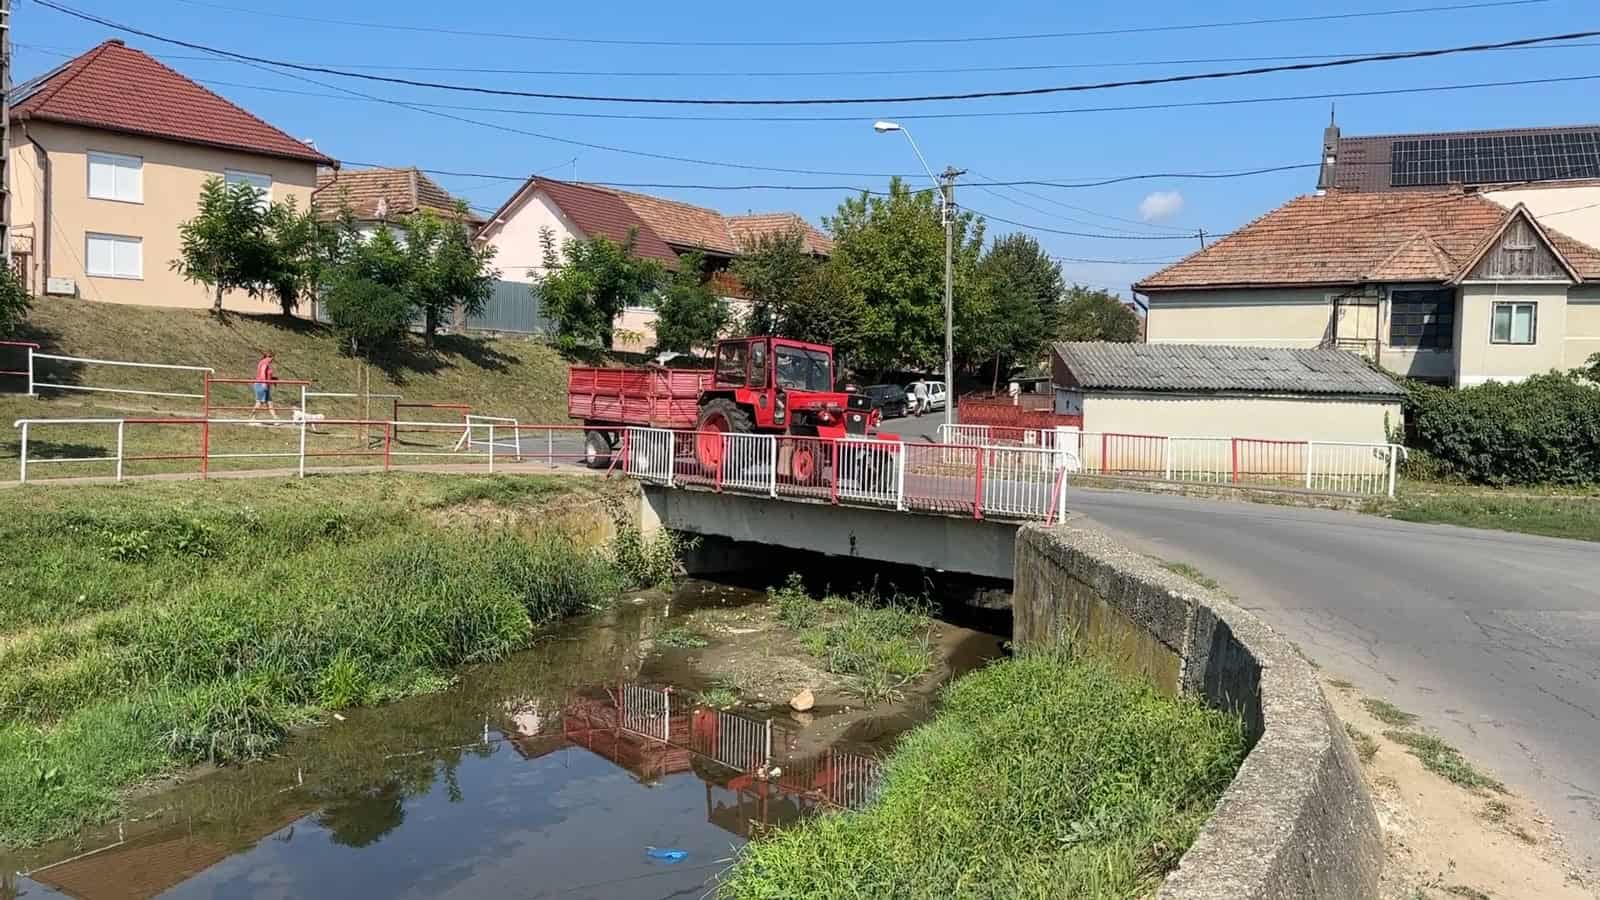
1333, 107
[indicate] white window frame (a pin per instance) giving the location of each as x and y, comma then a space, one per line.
137, 242
116, 161
245, 176
1514, 306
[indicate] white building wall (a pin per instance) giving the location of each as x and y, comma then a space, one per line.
519, 255
1271, 417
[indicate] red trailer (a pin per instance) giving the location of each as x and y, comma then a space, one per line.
759, 385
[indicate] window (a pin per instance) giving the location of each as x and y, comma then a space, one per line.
803, 370
1514, 323
730, 362
114, 256
113, 176
260, 182
1423, 320
758, 364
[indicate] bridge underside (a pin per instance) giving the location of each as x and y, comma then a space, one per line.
951, 543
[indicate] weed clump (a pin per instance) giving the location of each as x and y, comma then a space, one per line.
1444, 760
881, 645
1387, 712
1041, 776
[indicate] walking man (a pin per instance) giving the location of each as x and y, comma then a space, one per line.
919, 396
265, 376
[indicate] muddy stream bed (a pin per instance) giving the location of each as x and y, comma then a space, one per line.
586, 766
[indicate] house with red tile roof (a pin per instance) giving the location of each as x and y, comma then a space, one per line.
108, 154
1442, 284
383, 196
660, 228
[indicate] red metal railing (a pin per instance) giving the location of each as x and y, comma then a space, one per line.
208, 408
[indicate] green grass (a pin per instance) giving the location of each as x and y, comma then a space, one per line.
520, 378
680, 636
1573, 514
1366, 746
1193, 574
720, 696
880, 645
1387, 712
1444, 760
1040, 776
147, 627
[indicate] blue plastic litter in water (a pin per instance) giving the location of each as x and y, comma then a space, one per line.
670, 856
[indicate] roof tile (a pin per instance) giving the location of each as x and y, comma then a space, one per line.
1355, 238
400, 191
117, 88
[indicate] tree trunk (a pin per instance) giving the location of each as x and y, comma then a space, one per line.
216, 303
287, 304
430, 326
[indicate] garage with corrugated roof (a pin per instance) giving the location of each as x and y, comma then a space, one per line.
1276, 393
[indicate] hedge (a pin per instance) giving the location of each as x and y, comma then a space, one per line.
1544, 430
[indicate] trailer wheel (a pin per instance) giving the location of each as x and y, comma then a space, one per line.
718, 417
596, 449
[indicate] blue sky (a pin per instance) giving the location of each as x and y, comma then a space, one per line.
1068, 147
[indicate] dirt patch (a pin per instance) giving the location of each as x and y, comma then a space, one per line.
1444, 841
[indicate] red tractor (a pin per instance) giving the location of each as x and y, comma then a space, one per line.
758, 385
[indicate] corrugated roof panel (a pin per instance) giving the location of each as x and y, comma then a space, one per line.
1211, 367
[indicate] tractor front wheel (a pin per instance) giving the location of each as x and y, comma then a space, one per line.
718, 417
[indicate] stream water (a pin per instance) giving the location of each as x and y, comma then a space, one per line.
578, 768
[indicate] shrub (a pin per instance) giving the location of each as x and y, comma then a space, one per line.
1544, 430
14, 301
371, 319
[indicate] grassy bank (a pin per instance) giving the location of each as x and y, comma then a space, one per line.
520, 378
1041, 776
880, 644
1566, 513
149, 627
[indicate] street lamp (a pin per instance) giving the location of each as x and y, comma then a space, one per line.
947, 190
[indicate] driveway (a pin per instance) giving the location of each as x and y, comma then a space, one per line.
1492, 638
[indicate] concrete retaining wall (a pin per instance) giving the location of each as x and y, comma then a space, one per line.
1297, 820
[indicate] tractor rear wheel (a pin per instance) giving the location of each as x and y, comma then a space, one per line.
596, 449
718, 417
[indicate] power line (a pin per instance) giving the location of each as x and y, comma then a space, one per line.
827, 101
1148, 226
827, 73
1142, 107
879, 42
1084, 234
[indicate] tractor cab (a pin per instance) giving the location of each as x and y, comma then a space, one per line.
782, 385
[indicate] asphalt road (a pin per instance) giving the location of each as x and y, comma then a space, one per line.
1492, 638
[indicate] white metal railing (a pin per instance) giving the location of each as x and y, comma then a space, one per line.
649, 454
480, 432
870, 471
647, 711
35, 384
749, 462
306, 396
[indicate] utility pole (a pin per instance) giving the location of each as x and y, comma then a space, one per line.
1202, 239
947, 185
5, 133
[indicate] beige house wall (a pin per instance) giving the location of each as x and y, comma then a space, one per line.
1275, 418
172, 175
1264, 318
1479, 360
515, 236
1573, 210
1583, 324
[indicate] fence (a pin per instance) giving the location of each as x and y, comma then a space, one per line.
512, 307
36, 383
208, 408
1333, 467
1007, 482
480, 433
28, 348
301, 444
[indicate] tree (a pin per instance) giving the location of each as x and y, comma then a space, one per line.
447, 268
226, 246
588, 282
889, 254
1013, 315
824, 311
689, 314
368, 296
14, 301
1091, 314
295, 259
773, 270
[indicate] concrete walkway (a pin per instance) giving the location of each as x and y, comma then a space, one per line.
1492, 638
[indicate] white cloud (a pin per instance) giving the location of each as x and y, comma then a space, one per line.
1160, 205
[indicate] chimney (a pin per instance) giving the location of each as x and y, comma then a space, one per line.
1330, 156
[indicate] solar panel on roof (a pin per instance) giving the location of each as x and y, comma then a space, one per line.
1496, 159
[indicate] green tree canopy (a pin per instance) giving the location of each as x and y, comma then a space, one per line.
447, 268
588, 282
227, 245
1091, 314
774, 270
295, 255
1012, 315
690, 314
14, 301
889, 257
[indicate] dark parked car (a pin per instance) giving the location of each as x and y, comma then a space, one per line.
889, 399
